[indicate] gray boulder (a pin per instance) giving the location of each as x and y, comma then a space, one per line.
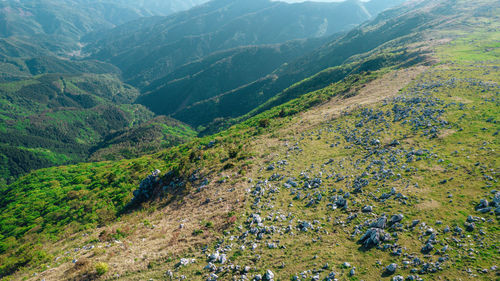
373, 237
427, 248
396, 218
269, 276
391, 268
367, 209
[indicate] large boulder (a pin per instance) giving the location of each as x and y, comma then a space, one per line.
374, 237
391, 268
147, 187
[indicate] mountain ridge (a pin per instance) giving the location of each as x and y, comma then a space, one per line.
336, 51
197, 35
380, 164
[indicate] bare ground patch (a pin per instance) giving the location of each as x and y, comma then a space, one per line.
153, 236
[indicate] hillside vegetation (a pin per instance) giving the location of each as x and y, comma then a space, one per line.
388, 173
218, 73
55, 119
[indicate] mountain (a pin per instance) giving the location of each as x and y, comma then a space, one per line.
219, 73
149, 49
66, 21
345, 49
55, 119
161, 7
384, 174
61, 21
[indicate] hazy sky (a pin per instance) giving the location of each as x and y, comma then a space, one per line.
295, 1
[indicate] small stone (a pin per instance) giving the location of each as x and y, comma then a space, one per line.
352, 272
269, 276
427, 248
390, 269
470, 227
367, 209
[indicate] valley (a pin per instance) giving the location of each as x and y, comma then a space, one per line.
367, 153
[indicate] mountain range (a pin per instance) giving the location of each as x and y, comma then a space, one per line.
338, 49
151, 48
124, 45
57, 25
252, 140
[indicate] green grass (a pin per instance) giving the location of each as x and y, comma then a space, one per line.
13, 87
476, 47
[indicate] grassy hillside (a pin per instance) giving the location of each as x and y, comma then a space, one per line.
420, 162
102, 191
416, 147
382, 174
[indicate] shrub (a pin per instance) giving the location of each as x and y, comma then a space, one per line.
101, 268
264, 123
282, 113
233, 152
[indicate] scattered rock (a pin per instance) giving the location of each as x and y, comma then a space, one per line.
391, 269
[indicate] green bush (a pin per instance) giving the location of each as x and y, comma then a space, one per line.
197, 232
101, 268
264, 123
